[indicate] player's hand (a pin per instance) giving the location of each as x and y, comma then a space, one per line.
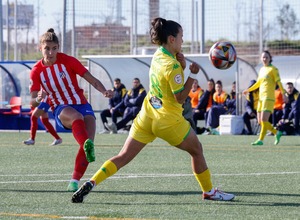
194, 68
41, 95
245, 92
108, 93
285, 99
44, 93
181, 60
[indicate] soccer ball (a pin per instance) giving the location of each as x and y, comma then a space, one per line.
222, 55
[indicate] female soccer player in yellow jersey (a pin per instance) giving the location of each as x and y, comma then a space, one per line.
267, 80
161, 113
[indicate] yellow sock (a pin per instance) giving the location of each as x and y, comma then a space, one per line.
106, 170
263, 131
204, 180
265, 126
270, 127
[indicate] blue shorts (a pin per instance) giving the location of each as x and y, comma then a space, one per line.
44, 106
85, 109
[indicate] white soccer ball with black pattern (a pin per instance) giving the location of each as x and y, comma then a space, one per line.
222, 55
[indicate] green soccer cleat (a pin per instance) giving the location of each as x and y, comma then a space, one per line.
277, 137
257, 143
72, 187
89, 150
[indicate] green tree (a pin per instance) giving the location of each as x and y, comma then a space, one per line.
288, 22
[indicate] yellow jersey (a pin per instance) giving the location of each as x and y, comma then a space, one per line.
268, 78
166, 79
161, 114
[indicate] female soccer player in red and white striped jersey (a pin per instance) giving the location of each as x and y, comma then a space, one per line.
55, 75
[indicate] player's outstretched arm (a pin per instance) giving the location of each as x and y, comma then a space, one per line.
97, 84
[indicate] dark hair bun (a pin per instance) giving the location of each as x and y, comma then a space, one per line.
50, 30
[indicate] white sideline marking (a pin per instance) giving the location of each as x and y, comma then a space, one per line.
128, 176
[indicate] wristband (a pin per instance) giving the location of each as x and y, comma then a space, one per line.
37, 101
193, 76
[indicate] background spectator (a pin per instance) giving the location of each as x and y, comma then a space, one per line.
250, 107
194, 96
188, 112
42, 111
133, 102
291, 110
278, 107
231, 103
204, 105
116, 106
218, 108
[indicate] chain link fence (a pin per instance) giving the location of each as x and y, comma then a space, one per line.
121, 27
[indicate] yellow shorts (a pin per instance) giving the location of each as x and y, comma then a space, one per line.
265, 106
145, 129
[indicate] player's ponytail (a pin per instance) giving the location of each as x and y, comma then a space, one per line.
161, 29
51, 30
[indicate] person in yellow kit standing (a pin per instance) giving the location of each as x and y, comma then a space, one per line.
267, 80
161, 114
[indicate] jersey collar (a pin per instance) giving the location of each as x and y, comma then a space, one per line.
165, 51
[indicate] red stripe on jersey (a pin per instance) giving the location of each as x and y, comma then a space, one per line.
61, 90
59, 80
46, 79
76, 93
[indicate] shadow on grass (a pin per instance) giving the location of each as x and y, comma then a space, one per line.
173, 193
237, 201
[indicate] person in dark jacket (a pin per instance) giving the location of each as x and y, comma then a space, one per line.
133, 102
116, 108
250, 107
188, 112
204, 105
231, 103
291, 111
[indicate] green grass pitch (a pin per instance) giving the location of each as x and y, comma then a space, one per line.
157, 184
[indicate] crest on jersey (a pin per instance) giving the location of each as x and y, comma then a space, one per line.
62, 75
155, 102
178, 79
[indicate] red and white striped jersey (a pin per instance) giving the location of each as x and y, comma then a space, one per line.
46, 100
59, 81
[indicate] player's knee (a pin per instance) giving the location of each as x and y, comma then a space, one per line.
195, 149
